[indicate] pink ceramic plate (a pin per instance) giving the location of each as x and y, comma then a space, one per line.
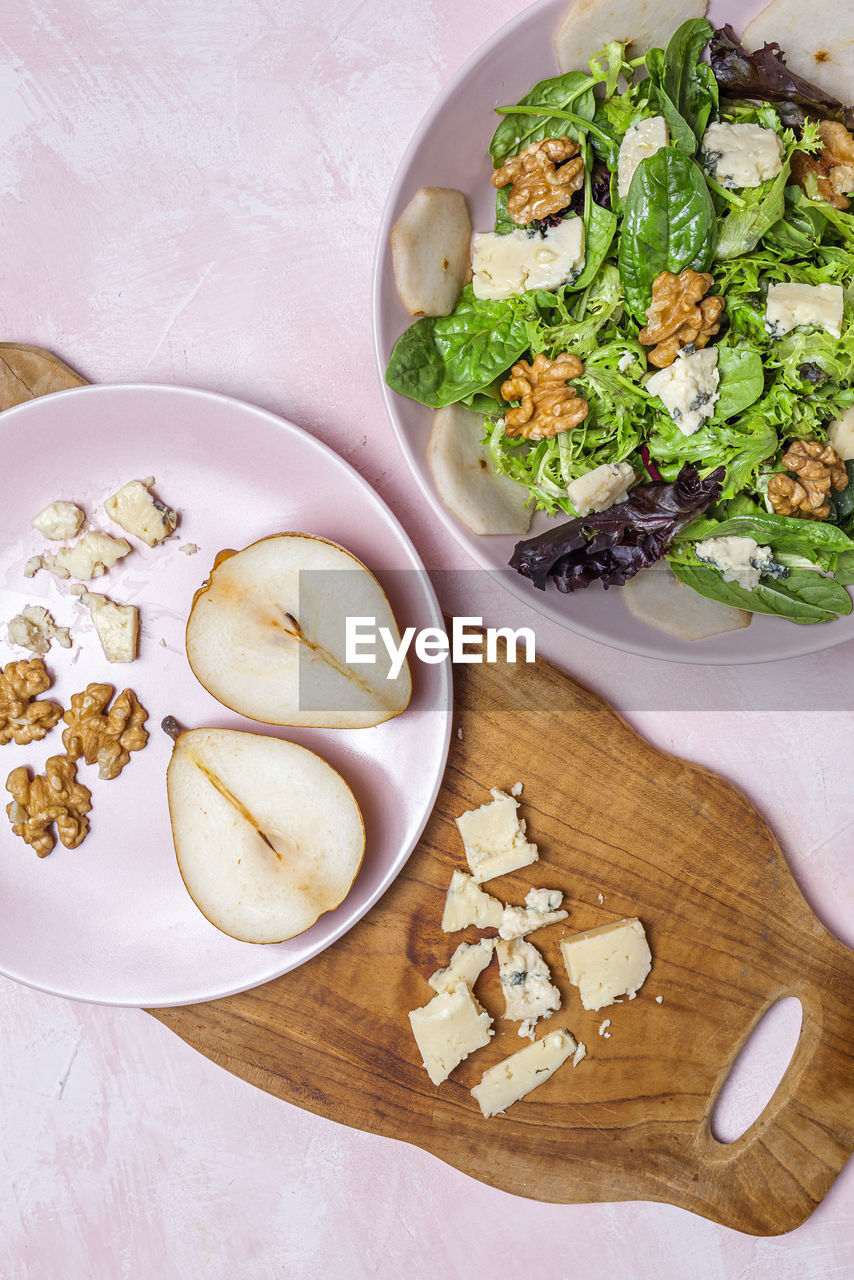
111, 921
450, 149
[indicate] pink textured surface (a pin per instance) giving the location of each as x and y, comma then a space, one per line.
190, 194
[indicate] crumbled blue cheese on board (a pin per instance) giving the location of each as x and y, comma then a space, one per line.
516, 1076
602, 487
505, 265
526, 984
494, 838
688, 388
466, 903
788, 306
448, 1029
742, 155
640, 141
517, 921
607, 962
466, 965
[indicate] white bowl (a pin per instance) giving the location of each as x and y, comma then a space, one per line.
450, 149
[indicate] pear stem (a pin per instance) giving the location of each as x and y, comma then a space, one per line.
170, 726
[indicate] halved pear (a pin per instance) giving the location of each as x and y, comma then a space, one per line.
267, 636
267, 835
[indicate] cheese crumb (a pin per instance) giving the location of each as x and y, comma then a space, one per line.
601, 897
741, 155
59, 520
32, 566
494, 838
138, 512
640, 141
517, 921
790, 306
466, 965
516, 789
658, 999
580, 1052
117, 626
603, 1026
740, 559
688, 388
34, 629
602, 487
188, 548
90, 557
466, 903
506, 265
607, 962
526, 984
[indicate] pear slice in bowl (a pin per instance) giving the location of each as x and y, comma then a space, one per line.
267, 636
267, 835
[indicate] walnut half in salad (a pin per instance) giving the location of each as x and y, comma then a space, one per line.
672, 232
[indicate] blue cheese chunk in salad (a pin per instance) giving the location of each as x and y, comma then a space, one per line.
601, 487
742, 155
639, 141
788, 306
740, 560
688, 388
504, 266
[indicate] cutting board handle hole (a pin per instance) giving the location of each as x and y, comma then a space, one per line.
760, 1066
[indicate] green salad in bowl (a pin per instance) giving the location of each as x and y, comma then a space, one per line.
657, 334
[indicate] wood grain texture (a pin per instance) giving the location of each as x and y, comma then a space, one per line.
27, 372
729, 931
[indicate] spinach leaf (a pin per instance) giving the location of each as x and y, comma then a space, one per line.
503, 221
743, 228
844, 571
742, 380
669, 224
440, 360
805, 596
600, 233
801, 225
571, 91
689, 83
654, 93
743, 518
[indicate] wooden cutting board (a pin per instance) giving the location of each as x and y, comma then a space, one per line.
656, 837
729, 931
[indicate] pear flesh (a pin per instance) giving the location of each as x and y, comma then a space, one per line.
267, 835
267, 636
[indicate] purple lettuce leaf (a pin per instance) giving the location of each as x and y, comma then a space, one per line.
615, 544
764, 75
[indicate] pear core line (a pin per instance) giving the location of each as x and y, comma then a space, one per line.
295, 630
223, 790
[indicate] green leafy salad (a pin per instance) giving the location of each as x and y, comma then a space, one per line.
704, 256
